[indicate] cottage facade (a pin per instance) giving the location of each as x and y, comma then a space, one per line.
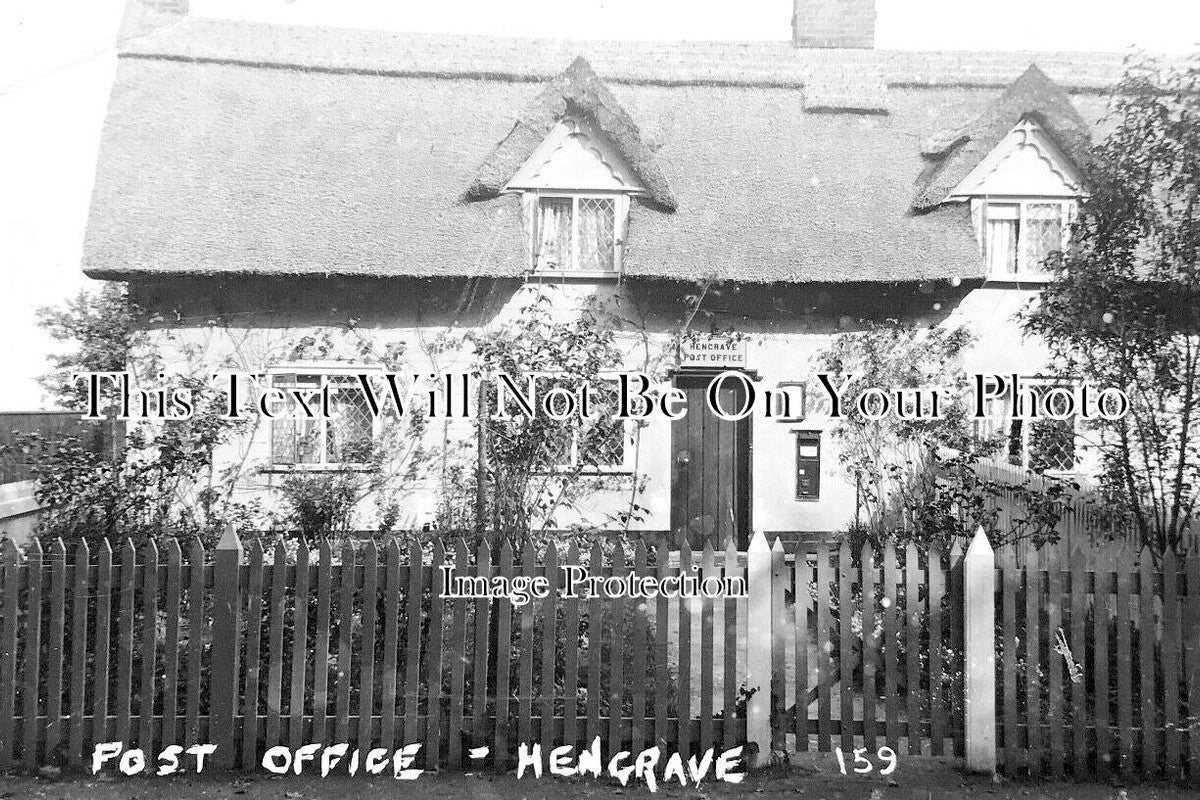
261, 185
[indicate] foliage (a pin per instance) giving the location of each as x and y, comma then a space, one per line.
323, 504
538, 466
161, 478
916, 476
165, 479
102, 328
159, 483
320, 504
1123, 309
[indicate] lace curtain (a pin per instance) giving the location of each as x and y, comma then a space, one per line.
596, 231
1041, 234
1000, 245
554, 233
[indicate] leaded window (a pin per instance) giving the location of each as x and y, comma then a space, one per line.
576, 234
599, 444
1039, 445
1019, 236
345, 439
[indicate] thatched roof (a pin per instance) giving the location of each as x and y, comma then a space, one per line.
245, 148
147, 34
576, 91
955, 151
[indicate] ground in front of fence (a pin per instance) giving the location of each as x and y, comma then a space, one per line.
926, 779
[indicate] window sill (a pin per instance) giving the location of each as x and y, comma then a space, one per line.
1039, 280
616, 472
1020, 471
569, 275
301, 469
1059, 474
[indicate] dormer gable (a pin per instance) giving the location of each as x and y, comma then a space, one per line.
1026, 163
1022, 196
1033, 112
575, 156
574, 102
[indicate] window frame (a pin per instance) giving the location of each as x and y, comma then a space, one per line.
628, 436
325, 371
1069, 208
1003, 427
593, 470
621, 206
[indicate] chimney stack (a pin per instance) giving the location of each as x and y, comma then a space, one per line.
833, 23
167, 6
144, 17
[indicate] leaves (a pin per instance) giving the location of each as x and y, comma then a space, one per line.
916, 479
103, 328
537, 465
1123, 309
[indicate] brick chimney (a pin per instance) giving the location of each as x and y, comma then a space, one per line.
144, 17
167, 6
833, 23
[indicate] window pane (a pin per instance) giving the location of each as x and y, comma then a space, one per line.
1001, 246
1052, 441
554, 233
283, 441
557, 444
283, 431
602, 438
1016, 443
603, 444
597, 231
348, 440
297, 439
992, 429
1041, 234
1051, 445
308, 441
294, 439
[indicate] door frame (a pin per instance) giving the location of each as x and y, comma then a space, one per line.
743, 458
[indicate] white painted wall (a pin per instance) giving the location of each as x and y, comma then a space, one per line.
774, 354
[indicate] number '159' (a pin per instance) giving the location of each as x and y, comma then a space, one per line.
863, 765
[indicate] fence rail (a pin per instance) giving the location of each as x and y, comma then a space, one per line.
1097, 669
103, 437
280, 645
1084, 523
1100, 666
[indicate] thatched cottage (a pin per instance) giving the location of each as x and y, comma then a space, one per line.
257, 183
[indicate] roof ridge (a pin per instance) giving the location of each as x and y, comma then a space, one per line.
684, 62
783, 43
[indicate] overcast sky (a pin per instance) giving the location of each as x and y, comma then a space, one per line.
57, 60
1169, 25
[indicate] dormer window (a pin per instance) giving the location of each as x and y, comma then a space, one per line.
577, 233
1023, 196
575, 190
1019, 235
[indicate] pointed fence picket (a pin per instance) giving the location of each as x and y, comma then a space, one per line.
1097, 661
1099, 676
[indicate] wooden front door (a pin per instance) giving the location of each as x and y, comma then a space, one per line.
710, 468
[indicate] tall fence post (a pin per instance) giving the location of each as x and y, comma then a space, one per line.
223, 694
979, 641
758, 649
